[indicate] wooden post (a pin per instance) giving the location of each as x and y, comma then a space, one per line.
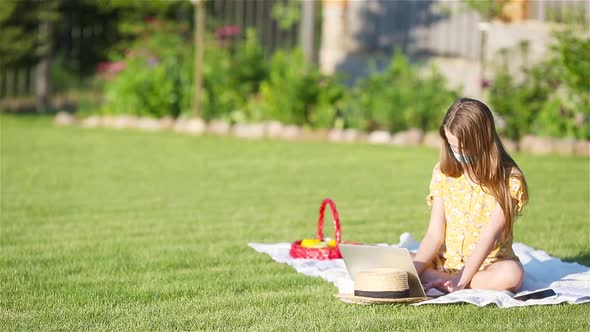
515, 10
2, 82
484, 28
42, 77
333, 49
307, 29
199, 56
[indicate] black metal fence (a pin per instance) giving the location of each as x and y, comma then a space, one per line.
454, 35
257, 14
80, 37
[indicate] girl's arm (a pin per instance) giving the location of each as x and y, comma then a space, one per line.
434, 237
489, 234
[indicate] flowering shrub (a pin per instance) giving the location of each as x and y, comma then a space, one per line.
297, 93
399, 98
154, 79
553, 99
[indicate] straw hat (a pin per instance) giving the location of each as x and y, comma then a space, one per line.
383, 285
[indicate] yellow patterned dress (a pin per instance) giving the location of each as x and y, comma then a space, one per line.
468, 208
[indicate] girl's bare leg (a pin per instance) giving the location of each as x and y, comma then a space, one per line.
430, 275
502, 275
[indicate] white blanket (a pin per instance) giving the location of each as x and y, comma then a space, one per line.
571, 281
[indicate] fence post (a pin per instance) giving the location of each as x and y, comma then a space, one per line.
200, 52
307, 28
333, 49
42, 75
2, 82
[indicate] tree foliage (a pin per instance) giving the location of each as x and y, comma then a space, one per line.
20, 38
22, 41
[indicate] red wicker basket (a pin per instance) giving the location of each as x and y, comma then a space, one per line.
297, 251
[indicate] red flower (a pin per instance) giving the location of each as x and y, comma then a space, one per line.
111, 67
228, 31
485, 83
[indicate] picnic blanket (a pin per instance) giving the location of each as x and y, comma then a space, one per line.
571, 281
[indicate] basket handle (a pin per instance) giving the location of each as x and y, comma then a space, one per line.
337, 229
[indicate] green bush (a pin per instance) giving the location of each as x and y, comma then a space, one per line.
156, 81
400, 98
297, 93
570, 57
553, 96
158, 78
232, 75
518, 102
63, 76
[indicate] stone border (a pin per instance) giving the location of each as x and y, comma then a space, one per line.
535, 145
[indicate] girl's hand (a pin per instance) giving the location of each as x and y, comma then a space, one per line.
446, 286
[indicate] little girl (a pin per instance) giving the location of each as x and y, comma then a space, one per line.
475, 192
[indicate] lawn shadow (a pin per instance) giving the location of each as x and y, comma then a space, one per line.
386, 26
582, 258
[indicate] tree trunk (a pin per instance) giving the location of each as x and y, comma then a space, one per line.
307, 29
42, 74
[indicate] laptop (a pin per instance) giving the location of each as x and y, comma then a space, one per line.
358, 258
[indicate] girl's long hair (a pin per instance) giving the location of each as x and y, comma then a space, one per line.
472, 122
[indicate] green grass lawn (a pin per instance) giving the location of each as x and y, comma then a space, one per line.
123, 230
